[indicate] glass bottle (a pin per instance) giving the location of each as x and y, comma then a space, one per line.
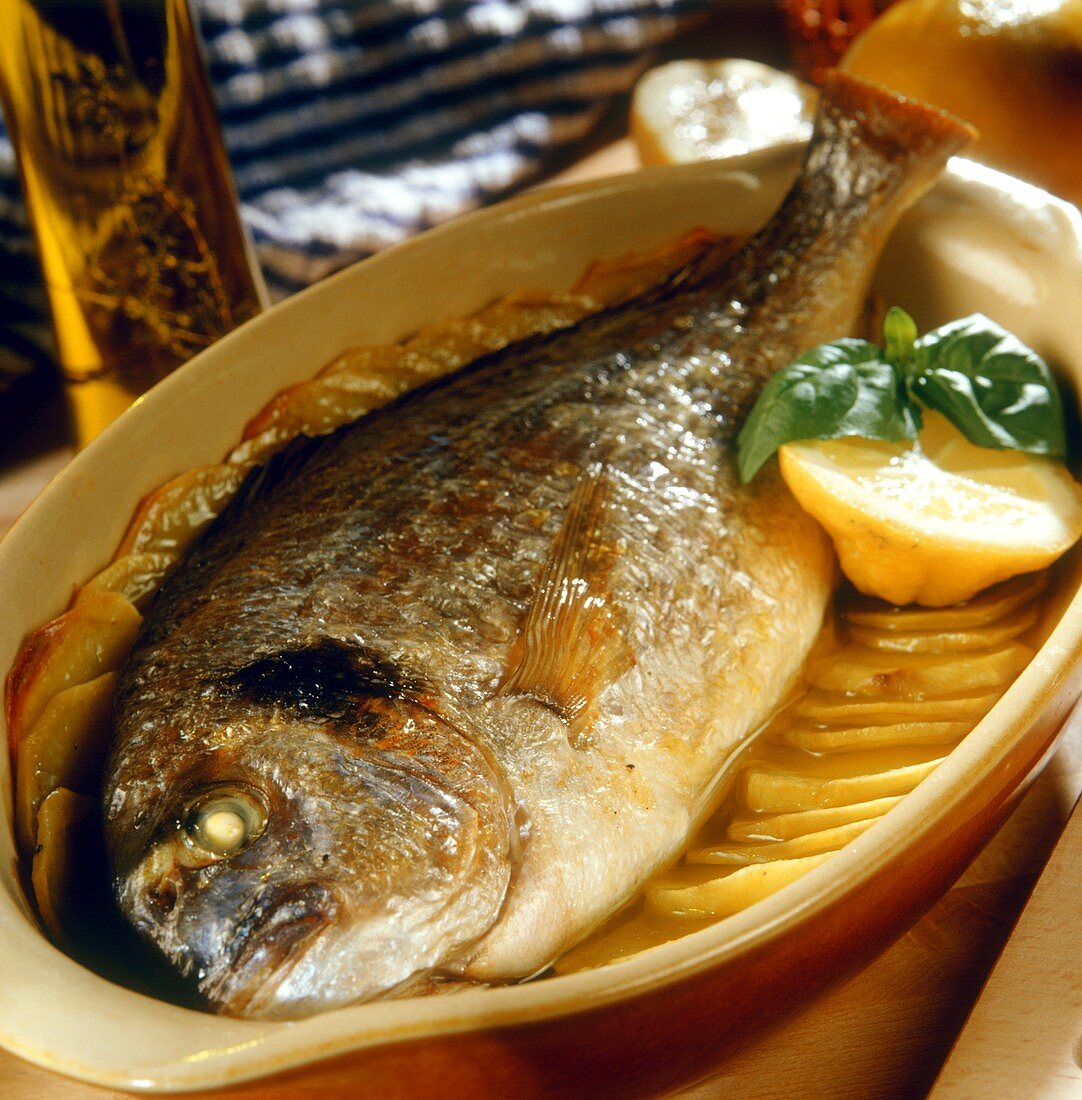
128, 189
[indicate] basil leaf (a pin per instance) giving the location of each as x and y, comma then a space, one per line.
899, 336
835, 390
993, 388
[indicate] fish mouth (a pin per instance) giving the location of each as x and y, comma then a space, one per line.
280, 924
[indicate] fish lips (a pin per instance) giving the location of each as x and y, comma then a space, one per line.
280, 924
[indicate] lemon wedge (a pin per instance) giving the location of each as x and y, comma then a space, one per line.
1010, 67
937, 520
702, 110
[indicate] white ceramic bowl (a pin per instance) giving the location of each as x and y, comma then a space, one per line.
980, 241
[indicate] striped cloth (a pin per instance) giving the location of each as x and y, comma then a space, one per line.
352, 124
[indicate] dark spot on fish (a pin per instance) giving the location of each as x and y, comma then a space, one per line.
325, 680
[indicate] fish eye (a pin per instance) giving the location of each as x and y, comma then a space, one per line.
224, 821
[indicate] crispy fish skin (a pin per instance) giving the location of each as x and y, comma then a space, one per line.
462, 675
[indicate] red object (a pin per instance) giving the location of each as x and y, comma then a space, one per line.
821, 30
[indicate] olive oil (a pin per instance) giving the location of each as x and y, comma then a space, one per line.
128, 189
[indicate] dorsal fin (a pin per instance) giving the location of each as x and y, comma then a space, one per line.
572, 643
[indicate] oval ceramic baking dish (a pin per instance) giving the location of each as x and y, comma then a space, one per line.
979, 241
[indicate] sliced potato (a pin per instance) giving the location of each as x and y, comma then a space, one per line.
846, 765
946, 641
873, 737
65, 747
455, 343
92, 638
354, 384
860, 671
697, 110
786, 826
292, 409
728, 894
356, 361
171, 517
827, 708
452, 344
526, 313
63, 819
988, 607
612, 281
810, 844
775, 792
136, 577
316, 406
322, 404
259, 448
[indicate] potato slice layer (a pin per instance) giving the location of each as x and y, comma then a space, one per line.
787, 826
843, 738
726, 895
861, 671
810, 844
136, 577
171, 517
63, 819
824, 707
888, 694
82, 644
65, 748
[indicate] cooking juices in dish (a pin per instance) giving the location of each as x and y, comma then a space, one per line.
413, 666
887, 693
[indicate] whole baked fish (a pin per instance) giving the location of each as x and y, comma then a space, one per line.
438, 692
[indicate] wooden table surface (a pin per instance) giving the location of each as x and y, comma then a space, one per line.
883, 1035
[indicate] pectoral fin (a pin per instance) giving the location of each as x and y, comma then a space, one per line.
572, 642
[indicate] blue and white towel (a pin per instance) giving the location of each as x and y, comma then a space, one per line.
352, 124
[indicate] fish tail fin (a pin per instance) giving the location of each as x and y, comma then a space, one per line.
872, 155
869, 142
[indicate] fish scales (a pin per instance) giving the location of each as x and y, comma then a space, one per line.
438, 692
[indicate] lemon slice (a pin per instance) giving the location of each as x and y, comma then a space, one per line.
1007, 66
937, 520
702, 110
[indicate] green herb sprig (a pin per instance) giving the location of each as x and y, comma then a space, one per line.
994, 389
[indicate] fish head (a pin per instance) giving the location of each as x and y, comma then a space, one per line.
291, 863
